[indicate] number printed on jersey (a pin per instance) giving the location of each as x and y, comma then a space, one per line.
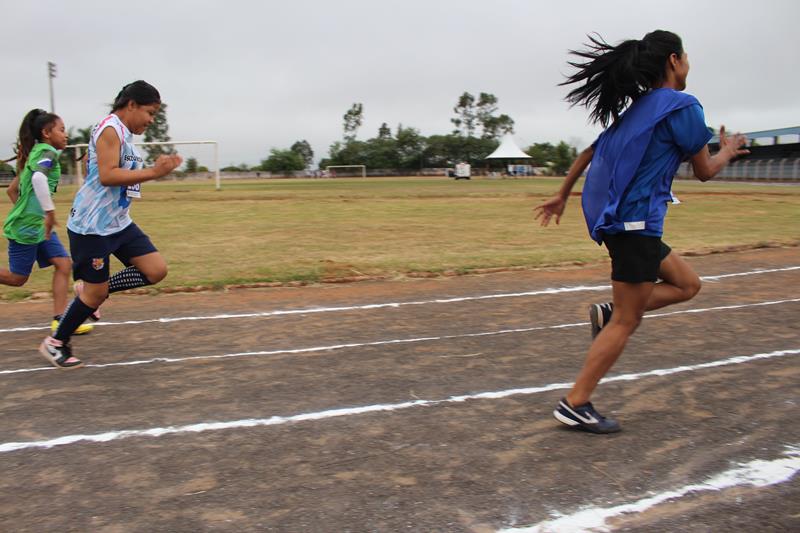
134, 191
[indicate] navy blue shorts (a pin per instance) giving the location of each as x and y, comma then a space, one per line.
635, 258
21, 257
90, 253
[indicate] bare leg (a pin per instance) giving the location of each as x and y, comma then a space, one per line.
152, 265
94, 294
680, 284
9, 278
630, 301
63, 267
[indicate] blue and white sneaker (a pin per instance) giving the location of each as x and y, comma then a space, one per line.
600, 314
584, 417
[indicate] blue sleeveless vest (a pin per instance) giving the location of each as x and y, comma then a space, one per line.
617, 155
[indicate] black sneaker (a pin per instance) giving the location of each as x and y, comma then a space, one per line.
600, 314
59, 354
584, 417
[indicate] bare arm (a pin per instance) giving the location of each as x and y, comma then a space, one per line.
13, 190
108, 146
556, 204
706, 166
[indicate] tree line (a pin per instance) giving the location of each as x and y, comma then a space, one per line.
477, 127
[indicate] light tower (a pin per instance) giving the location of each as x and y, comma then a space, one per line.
51, 73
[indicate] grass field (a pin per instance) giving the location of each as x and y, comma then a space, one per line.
316, 230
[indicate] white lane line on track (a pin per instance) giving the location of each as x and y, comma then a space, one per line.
313, 310
756, 473
332, 347
350, 411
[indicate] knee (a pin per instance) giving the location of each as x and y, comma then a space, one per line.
628, 324
18, 280
691, 289
94, 299
63, 268
156, 274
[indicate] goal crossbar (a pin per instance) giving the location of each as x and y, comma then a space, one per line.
78, 147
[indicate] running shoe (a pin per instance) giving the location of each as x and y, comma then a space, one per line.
59, 354
584, 417
600, 314
78, 288
83, 329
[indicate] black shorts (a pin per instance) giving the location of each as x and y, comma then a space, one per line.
635, 258
90, 253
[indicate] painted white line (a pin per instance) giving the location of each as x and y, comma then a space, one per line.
332, 347
350, 411
313, 310
756, 473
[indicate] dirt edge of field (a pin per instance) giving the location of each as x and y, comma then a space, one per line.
568, 265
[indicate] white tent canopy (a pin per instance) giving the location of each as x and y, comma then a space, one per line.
508, 149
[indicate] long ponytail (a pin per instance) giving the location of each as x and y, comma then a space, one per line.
30, 132
615, 76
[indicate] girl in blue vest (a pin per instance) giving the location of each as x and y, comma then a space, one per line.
634, 90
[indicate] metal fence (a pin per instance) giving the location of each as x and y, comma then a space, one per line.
787, 169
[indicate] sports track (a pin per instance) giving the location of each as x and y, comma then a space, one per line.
417, 405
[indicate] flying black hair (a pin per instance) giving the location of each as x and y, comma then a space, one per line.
615, 76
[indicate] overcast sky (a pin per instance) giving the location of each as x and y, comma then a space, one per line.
255, 75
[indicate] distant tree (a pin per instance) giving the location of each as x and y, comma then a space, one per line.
485, 109
79, 136
447, 150
564, 156
303, 149
543, 154
410, 146
191, 165
465, 118
493, 125
384, 132
282, 161
353, 119
158, 131
232, 168
347, 153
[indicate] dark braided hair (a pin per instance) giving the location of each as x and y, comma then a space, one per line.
615, 76
30, 132
139, 92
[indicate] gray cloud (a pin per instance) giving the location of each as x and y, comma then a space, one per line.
256, 75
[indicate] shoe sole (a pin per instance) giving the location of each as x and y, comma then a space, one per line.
77, 331
564, 420
594, 317
44, 353
583, 427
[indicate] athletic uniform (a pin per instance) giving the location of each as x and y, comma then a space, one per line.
628, 186
100, 224
24, 226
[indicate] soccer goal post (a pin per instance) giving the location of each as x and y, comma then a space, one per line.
362, 167
79, 147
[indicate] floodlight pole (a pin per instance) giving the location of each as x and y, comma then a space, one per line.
51, 73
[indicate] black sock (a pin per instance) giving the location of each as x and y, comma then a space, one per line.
129, 278
76, 314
